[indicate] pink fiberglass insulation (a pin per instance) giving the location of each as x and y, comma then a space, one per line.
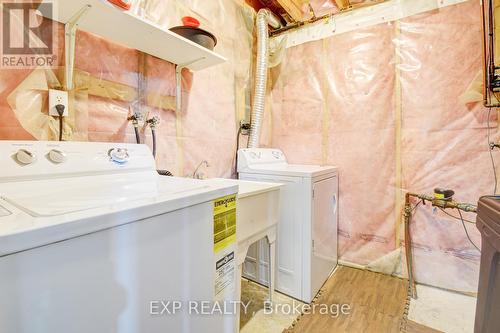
336, 102
360, 95
338, 110
205, 128
444, 141
327, 7
323, 7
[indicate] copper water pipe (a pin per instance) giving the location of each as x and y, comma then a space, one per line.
444, 203
485, 61
436, 202
408, 248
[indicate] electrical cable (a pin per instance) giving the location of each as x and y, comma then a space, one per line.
467, 232
61, 126
60, 111
461, 218
236, 154
456, 217
491, 152
415, 207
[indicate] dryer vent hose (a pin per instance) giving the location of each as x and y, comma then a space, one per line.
264, 18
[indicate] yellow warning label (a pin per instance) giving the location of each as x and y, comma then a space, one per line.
224, 222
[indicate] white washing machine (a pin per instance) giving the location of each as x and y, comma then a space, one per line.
93, 240
307, 230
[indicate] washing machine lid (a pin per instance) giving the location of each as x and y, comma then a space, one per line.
55, 197
293, 170
90, 190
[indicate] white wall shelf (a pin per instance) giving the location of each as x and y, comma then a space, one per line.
116, 25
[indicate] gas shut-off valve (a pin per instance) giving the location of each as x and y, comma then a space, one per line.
443, 198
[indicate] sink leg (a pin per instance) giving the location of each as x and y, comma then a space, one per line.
272, 262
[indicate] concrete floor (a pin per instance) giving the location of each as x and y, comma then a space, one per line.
255, 319
443, 310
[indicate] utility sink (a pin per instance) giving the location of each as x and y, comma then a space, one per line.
257, 212
257, 216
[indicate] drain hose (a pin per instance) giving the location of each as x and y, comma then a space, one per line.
264, 18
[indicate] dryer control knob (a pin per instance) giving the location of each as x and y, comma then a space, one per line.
25, 156
57, 156
119, 155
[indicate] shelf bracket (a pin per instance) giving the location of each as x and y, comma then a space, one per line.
69, 45
178, 110
178, 83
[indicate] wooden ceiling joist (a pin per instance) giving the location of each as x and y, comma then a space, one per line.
342, 4
292, 7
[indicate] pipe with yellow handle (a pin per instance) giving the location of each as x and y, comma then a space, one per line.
442, 199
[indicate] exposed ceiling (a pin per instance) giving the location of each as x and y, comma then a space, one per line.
293, 11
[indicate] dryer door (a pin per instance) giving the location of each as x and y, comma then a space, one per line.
324, 231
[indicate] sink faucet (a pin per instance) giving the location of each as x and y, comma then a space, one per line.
199, 175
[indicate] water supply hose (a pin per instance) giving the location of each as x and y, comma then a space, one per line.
134, 118
153, 134
153, 122
165, 173
264, 18
137, 137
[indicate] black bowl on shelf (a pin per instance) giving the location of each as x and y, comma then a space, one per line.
197, 35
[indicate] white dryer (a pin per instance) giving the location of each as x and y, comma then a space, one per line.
307, 230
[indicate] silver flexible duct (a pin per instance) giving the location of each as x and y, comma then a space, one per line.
264, 18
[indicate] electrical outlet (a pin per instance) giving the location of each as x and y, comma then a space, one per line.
57, 97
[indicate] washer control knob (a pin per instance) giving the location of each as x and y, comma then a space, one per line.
119, 155
25, 156
57, 156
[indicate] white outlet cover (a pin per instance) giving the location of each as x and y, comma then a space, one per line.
58, 97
